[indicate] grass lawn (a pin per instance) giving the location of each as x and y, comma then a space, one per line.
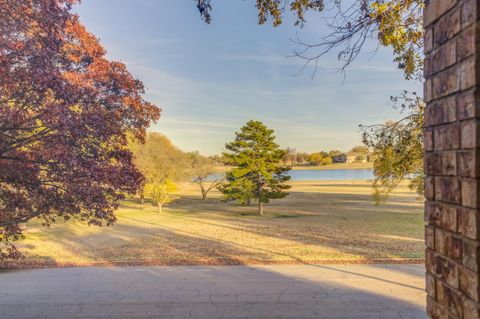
319, 222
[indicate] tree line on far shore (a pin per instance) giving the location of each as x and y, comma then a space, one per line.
357, 154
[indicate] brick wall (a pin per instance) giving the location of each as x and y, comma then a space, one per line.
452, 158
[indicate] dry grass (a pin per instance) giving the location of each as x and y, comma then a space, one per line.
318, 222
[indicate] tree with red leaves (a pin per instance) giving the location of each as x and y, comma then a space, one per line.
65, 113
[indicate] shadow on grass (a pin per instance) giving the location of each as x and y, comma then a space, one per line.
307, 201
142, 242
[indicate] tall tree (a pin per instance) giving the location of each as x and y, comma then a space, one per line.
302, 157
320, 158
65, 111
256, 174
162, 164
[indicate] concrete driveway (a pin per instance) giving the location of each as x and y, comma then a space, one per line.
280, 291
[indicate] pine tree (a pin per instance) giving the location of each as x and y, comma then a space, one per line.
256, 173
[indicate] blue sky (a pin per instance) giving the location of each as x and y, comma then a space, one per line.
210, 79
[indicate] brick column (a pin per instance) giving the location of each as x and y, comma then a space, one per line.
452, 158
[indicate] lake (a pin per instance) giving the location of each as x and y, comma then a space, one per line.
326, 174
331, 174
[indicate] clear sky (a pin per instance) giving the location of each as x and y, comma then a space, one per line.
210, 79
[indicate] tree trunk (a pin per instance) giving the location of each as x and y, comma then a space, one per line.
204, 194
260, 204
142, 198
159, 205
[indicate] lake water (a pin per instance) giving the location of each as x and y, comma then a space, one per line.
326, 175
331, 174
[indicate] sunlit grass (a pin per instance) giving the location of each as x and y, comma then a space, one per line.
319, 221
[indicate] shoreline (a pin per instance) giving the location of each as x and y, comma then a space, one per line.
340, 166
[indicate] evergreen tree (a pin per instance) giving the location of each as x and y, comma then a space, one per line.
256, 173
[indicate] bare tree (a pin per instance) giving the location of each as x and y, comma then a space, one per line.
204, 174
207, 185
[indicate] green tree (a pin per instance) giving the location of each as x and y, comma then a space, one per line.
327, 160
320, 158
315, 158
257, 174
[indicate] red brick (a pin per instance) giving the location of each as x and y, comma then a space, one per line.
447, 189
470, 254
441, 215
430, 261
446, 82
428, 40
428, 69
446, 271
430, 285
467, 163
468, 74
436, 8
467, 107
429, 188
430, 237
441, 111
448, 163
448, 245
470, 188
468, 222
465, 45
470, 11
450, 299
452, 158
469, 133
427, 90
434, 310
444, 56
469, 283
428, 140
433, 164
446, 137
470, 309
447, 27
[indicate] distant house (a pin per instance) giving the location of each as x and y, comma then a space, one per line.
355, 157
342, 158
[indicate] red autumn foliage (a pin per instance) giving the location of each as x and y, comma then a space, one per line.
65, 112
